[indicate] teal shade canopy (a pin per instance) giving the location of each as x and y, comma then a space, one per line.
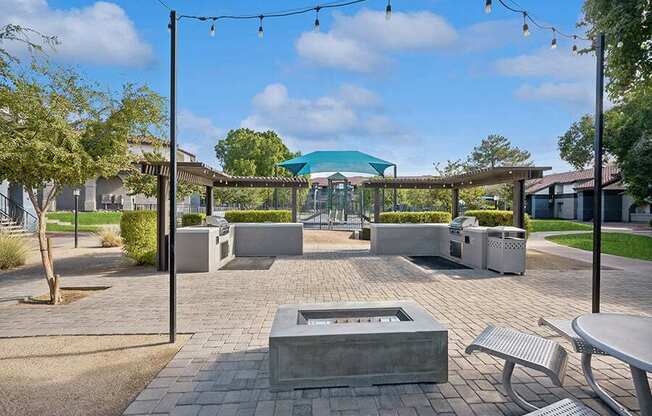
336, 161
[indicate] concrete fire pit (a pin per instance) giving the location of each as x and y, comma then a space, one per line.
356, 344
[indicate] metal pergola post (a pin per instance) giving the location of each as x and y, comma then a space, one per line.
597, 172
455, 209
395, 196
518, 198
209, 201
173, 175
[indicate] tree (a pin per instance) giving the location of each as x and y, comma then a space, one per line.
57, 130
497, 150
245, 152
627, 132
22, 35
576, 145
627, 25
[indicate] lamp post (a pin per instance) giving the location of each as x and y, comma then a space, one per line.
597, 171
76, 195
173, 177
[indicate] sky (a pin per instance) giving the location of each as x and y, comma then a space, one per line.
422, 88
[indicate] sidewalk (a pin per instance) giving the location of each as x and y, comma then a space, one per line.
537, 241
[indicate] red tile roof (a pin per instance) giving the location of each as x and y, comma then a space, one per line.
610, 173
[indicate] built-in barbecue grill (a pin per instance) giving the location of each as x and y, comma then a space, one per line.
220, 222
456, 231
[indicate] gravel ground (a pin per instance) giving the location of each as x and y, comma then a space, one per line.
78, 375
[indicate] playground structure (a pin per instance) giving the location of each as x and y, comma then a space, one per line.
338, 203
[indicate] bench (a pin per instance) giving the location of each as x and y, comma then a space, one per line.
529, 351
566, 407
564, 328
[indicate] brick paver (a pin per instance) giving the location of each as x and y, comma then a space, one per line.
222, 370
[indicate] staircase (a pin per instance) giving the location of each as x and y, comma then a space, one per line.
14, 219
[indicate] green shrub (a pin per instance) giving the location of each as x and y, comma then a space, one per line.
138, 229
415, 217
192, 219
493, 218
13, 251
258, 216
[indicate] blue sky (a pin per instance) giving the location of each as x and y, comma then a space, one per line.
424, 87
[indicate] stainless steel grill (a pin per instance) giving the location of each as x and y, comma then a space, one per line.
220, 222
456, 229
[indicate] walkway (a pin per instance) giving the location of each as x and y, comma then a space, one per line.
537, 241
222, 370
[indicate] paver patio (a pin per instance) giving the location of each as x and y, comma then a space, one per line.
222, 370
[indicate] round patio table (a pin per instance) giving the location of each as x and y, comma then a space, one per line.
627, 338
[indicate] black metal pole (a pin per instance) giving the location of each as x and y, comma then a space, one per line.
597, 172
173, 175
395, 192
76, 219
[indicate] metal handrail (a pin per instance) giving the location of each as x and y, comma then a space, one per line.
15, 212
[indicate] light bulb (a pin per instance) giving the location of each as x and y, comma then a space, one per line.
574, 49
316, 28
553, 43
261, 33
526, 28
388, 11
212, 31
487, 6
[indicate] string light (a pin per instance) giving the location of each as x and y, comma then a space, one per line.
212, 31
317, 18
388, 10
527, 17
261, 33
574, 45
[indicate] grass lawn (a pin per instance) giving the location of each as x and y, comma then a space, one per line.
88, 218
88, 221
618, 244
558, 225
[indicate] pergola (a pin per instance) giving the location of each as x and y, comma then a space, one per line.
198, 173
516, 175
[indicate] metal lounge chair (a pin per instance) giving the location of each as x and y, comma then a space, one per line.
566, 407
526, 350
563, 327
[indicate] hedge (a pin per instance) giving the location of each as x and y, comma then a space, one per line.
258, 216
493, 218
415, 217
192, 219
138, 230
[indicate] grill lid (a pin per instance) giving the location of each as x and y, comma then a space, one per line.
462, 222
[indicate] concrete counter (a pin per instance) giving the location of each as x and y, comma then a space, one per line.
268, 239
408, 239
201, 249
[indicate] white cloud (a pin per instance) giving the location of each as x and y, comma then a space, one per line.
101, 33
198, 134
556, 63
580, 93
360, 42
352, 112
555, 75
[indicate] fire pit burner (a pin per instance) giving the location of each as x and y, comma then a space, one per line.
360, 316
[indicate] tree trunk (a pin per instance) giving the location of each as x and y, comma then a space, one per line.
46, 260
